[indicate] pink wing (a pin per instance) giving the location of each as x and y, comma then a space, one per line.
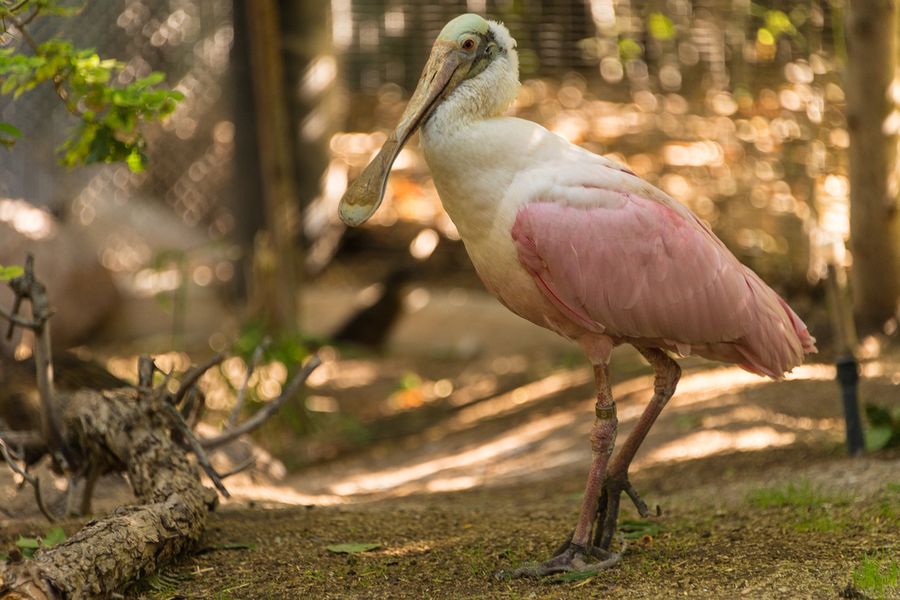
641, 270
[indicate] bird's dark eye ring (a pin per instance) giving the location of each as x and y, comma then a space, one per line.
468, 44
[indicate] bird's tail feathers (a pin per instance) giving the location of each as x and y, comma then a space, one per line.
778, 339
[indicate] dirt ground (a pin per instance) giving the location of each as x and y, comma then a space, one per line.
758, 497
714, 540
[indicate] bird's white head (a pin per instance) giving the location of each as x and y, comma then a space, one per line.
472, 73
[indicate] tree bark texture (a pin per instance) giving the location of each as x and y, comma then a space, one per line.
126, 430
872, 29
276, 261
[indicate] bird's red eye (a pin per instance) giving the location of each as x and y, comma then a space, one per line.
468, 44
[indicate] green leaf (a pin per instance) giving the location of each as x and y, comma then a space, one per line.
9, 130
572, 576
54, 536
154, 78
884, 427
878, 437
7, 273
109, 114
634, 529
8, 85
136, 161
28, 543
877, 415
779, 23
28, 546
629, 49
660, 26
765, 37
409, 381
352, 548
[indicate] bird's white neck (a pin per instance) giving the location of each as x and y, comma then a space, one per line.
459, 149
484, 96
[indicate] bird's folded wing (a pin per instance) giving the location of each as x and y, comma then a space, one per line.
636, 268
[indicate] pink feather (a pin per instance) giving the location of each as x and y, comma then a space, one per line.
643, 272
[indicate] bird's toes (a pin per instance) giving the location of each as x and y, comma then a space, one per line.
573, 559
638, 502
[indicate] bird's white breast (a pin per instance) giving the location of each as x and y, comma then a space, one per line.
484, 172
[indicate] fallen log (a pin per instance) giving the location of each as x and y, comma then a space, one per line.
125, 430
137, 430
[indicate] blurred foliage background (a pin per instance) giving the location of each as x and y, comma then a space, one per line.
732, 107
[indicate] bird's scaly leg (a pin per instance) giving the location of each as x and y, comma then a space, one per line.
667, 374
576, 552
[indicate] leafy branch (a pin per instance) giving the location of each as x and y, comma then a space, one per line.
109, 112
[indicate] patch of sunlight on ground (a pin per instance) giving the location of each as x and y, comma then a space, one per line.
280, 494
488, 443
485, 454
707, 443
531, 392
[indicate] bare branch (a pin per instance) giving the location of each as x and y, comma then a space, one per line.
71, 492
15, 311
27, 477
27, 20
193, 375
58, 81
146, 368
23, 439
191, 441
194, 406
15, 319
87, 494
27, 287
239, 468
18, 7
20, 26
268, 410
242, 393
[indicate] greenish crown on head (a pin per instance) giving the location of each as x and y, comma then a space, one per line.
468, 23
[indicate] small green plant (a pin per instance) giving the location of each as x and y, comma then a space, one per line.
635, 529
288, 349
817, 522
884, 427
95, 90
660, 27
409, 381
7, 273
29, 545
164, 585
878, 575
799, 494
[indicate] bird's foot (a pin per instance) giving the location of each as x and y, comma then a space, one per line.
608, 510
573, 559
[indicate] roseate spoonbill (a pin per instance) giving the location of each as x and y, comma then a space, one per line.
578, 244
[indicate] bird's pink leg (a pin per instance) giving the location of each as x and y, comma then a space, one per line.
603, 439
667, 374
575, 553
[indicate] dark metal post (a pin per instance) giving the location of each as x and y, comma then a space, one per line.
848, 377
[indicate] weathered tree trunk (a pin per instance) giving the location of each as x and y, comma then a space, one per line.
317, 103
277, 250
120, 429
874, 216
